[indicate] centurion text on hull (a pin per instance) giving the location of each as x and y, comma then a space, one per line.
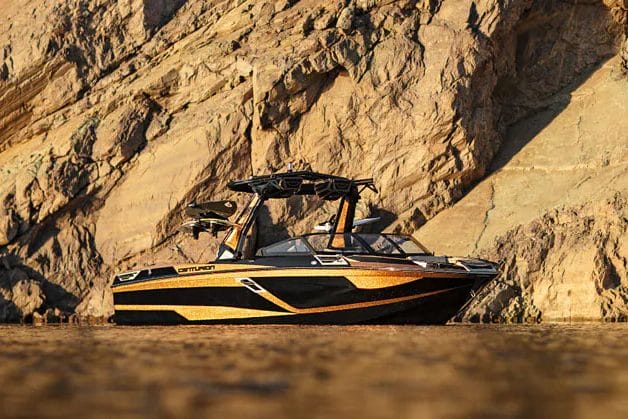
334, 277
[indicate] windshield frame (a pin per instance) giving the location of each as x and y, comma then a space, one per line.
363, 243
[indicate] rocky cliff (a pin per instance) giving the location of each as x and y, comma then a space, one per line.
553, 210
116, 114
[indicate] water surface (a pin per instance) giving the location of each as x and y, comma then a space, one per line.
578, 371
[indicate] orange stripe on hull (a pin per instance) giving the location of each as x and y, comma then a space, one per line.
361, 278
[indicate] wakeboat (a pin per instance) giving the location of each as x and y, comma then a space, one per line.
333, 276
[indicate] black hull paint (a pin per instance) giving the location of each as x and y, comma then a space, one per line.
432, 309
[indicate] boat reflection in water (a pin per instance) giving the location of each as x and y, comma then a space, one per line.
335, 277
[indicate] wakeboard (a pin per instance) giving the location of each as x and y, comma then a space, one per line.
212, 209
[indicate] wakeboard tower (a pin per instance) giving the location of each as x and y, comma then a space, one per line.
333, 276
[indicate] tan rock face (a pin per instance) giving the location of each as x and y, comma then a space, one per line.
116, 114
8, 227
575, 151
559, 262
21, 296
569, 264
619, 11
27, 297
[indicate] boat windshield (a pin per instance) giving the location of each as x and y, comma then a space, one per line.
347, 243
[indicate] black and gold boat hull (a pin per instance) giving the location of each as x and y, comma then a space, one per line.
240, 294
